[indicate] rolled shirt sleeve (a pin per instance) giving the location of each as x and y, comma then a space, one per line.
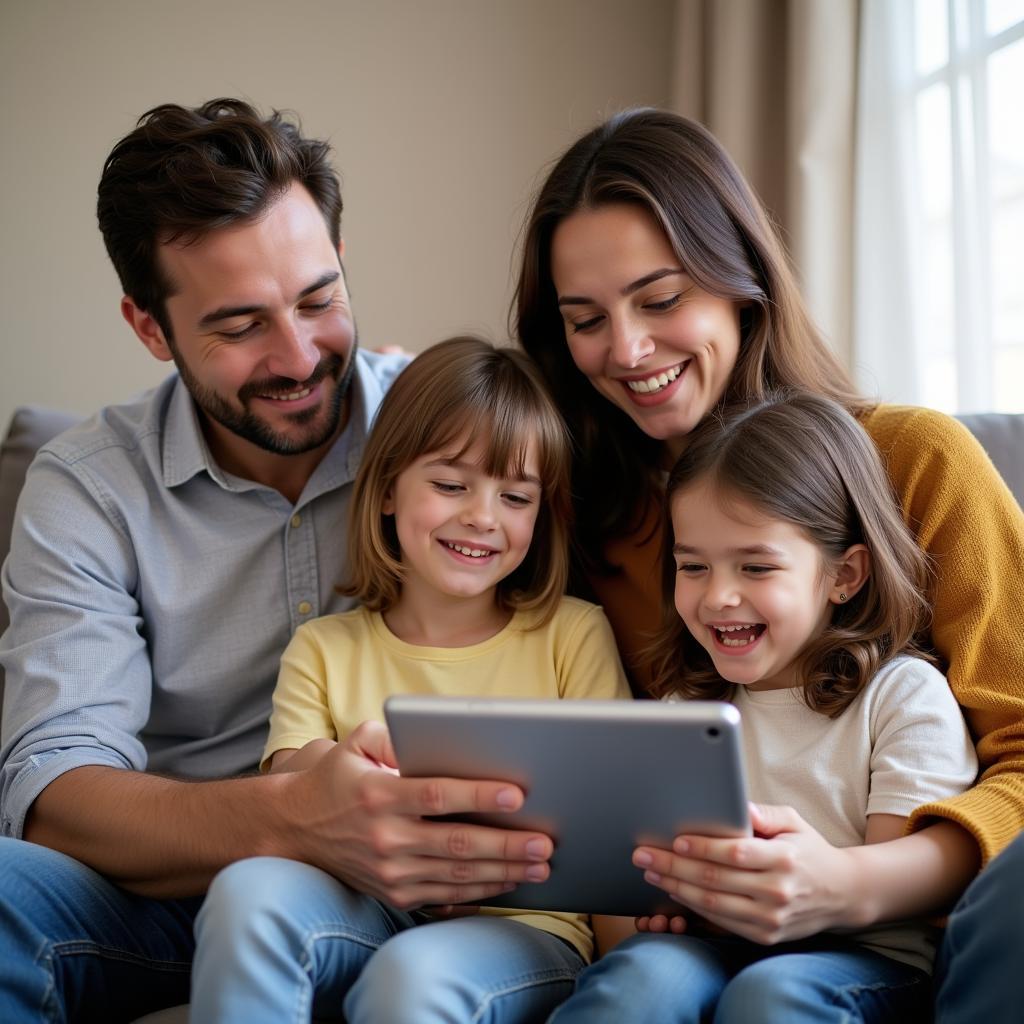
78, 677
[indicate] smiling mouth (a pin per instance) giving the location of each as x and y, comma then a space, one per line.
291, 396
286, 389
469, 552
656, 382
738, 636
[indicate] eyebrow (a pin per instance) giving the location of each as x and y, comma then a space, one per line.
470, 467
227, 312
753, 549
634, 286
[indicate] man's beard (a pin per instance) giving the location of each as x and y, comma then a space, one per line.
257, 431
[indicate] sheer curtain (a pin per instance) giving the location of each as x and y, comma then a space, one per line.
885, 358
938, 293
885, 136
776, 83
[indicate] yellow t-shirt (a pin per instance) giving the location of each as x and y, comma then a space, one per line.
338, 669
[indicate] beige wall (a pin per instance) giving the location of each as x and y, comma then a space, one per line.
442, 114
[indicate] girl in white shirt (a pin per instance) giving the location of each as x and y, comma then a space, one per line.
794, 590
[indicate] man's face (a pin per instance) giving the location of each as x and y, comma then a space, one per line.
263, 333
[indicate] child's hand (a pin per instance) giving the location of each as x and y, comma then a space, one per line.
676, 924
784, 883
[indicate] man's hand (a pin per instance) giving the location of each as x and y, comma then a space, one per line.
355, 817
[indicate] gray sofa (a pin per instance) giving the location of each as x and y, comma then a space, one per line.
1001, 435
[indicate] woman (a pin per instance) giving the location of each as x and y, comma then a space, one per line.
653, 289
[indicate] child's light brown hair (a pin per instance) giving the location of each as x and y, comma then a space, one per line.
804, 459
459, 392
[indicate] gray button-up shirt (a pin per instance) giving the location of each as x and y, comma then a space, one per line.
151, 593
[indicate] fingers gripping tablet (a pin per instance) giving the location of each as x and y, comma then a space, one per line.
600, 777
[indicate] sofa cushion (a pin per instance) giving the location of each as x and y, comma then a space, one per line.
1002, 436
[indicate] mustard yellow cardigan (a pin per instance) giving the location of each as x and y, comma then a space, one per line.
966, 519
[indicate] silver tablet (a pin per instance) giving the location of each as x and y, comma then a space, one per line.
600, 777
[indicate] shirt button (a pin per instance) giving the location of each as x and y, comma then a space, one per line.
305, 607
296, 521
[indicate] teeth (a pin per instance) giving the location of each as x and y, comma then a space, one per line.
293, 396
739, 641
471, 552
655, 383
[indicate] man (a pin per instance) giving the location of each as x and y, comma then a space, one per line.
164, 553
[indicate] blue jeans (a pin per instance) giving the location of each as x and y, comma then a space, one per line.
979, 973
76, 947
672, 979
73, 946
278, 940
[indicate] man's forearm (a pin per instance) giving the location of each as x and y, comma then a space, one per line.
157, 836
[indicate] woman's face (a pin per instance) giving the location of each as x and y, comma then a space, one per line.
644, 334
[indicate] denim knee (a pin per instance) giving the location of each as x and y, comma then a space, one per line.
255, 903
656, 978
975, 974
75, 945
815, 987
406, 980
769, 990
643, 969
476, 969
239, 895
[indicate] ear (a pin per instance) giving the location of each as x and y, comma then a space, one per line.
387, 507
851, 573
341, 249
149, 331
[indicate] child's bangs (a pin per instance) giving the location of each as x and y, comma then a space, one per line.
504, 431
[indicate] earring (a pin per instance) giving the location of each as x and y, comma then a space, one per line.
842, 597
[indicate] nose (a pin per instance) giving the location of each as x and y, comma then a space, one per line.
721, 592
478, 511
630, 342
292, 351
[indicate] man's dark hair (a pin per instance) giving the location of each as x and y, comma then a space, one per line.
184, 172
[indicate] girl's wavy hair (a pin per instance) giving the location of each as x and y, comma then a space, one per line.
455, 394
677, 171
802, 458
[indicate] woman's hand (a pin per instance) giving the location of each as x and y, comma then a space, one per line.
784, 883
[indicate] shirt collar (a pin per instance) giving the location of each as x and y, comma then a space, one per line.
184, 450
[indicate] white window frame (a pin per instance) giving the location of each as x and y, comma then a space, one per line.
890, 346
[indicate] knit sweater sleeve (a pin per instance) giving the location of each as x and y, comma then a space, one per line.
972, 529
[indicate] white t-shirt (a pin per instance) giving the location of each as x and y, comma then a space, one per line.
901, 743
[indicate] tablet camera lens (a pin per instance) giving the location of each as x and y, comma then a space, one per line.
713, 733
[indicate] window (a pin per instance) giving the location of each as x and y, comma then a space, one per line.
963, 96
940, 249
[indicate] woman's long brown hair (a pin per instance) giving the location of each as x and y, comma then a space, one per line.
675, 169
